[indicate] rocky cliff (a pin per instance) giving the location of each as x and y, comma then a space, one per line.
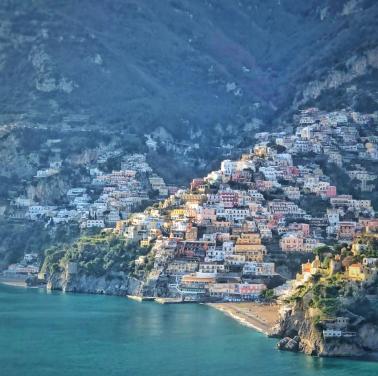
49, 190
72, 278
120, 285
97, 264
301, 330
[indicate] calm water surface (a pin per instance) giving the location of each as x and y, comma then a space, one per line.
63, 334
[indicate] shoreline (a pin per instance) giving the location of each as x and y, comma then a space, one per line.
17, 282
256, 316
260, 317
13, 282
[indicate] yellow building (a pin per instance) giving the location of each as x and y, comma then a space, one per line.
249, 238
120, 226
145, 243
177, 213
251, 252
194, 198
356, 273
261, 151
249, 245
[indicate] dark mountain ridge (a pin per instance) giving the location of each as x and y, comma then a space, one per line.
183, 65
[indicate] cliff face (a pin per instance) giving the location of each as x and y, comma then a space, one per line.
83, 283
295, 323
120, 283
98, 264
300, 332
48, 190
355, 67
14, 160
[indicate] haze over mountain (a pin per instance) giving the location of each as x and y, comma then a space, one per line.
145, 64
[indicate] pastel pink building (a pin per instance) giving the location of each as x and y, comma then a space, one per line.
330, 191
304, 228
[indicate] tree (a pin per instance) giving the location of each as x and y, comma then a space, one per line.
268, 294
322, 250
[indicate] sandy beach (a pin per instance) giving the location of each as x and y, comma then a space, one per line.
261, 317
13, 282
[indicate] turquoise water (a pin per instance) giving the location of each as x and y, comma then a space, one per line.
63, 334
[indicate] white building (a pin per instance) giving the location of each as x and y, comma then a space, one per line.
259, 268
236, 214
90, 223
215, 254
228, 167
209, 267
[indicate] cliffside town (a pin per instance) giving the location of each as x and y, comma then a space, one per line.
241, 233
331, 308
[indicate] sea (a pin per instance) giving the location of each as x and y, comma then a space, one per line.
50, 333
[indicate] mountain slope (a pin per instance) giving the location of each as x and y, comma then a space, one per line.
166, 63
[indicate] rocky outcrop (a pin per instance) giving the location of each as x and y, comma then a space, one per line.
289, 344
48, 190
72, 278
300, 332
368, 336
16, 162
82, 283
356, 66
